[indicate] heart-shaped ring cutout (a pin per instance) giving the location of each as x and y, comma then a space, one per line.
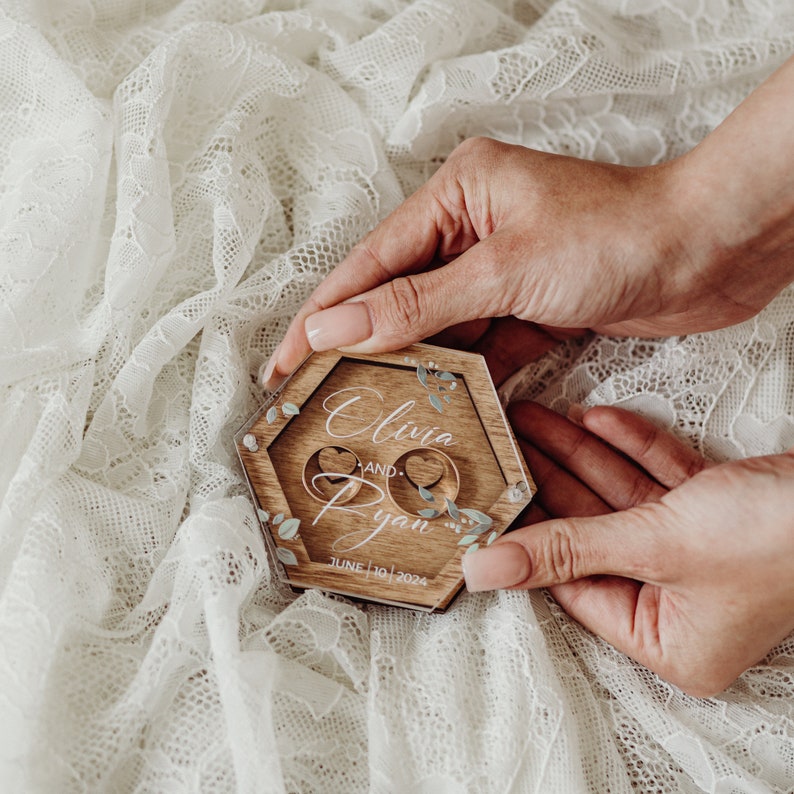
424, 472
341, 462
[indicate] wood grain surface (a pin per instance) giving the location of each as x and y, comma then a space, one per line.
389, 462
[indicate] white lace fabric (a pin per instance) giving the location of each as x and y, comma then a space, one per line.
175, 178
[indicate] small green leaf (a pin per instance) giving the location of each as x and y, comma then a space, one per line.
290, 409
445, 376
263, 515
278, 519
429, 513
453, 509
473, 547
271, 415
467, 539
289, 529
286, 556
426, 495
447, 399
479, 529
476, 515
491, 538
421, 373
436, 403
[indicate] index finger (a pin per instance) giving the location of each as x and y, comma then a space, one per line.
619, 482
406, 242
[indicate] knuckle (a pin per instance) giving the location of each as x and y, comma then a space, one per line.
647, 441
640, 489
474, 144
479, 148
560, 560
402, 308
366, 252
574, 444
695, 466
313, 305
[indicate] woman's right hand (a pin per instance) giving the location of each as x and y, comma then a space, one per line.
698, 243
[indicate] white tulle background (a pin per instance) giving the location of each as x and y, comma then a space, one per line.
175, 177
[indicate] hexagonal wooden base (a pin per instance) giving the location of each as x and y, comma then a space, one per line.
374, 474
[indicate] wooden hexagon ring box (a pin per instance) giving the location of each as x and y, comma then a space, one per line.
373, 474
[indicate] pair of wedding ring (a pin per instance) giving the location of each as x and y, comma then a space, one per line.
419, 479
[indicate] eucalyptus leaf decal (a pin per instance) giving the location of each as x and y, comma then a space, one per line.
429, 513
278, 519
290, 409
271, 415
286, 556
263, 515
473, 547
436, 385
426, 495
476, 524
476, 515
289, 529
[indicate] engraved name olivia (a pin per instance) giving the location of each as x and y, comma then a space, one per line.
368, 401
356, 411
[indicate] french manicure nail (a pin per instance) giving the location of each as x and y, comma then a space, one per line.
339, 326
497, 566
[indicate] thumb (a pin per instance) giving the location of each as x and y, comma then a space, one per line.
411, 308
567, 549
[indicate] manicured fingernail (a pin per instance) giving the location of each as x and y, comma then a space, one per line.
339, 326
576, 412
497, 566
266, 373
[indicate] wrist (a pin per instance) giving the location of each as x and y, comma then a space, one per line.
733, 206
